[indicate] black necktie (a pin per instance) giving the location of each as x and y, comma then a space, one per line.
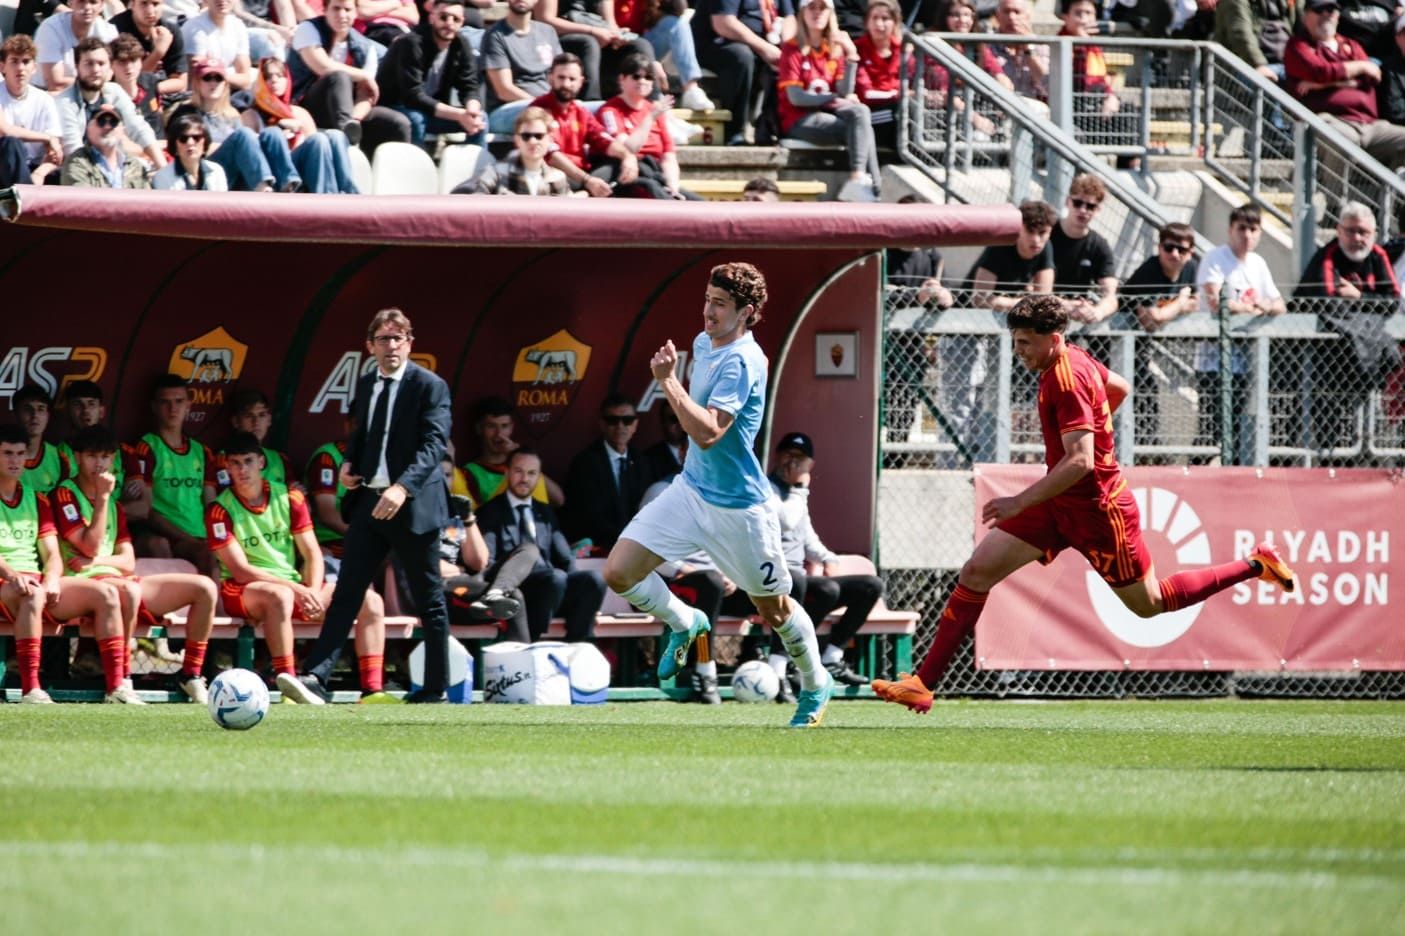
375, 439
524, 525
620, 461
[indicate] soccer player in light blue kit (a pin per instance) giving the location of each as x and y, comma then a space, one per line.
724, 504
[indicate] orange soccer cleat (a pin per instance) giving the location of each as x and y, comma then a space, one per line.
1272, 568
907, 690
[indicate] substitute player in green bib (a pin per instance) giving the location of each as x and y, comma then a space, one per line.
32, 585
325, 492
252, 414
172, 468
44, 464
93, 536
260, 531
84, 405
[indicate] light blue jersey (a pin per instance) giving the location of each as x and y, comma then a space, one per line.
731, 378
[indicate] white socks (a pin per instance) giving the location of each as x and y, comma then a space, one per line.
652, 596
778, 663
832, 654
706, 669
798, 634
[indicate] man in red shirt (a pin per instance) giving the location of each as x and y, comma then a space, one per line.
578, 136
1082, 501
1333, 76
642, 126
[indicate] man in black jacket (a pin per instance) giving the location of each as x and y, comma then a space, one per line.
607, 479
430, 76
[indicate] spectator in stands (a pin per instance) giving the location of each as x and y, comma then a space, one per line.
385, 21
1083, 262
140, 86
171, 467
216, 34
1390, 96
817, 100
525, 170
33, 586
271, 569
761, 189
333, 69
1235, 274
1094, 100
741, 40
555, 586
1005, 273
588, 28
1333, 76
661, 24
517, 56
93, 89
251, 162
665, 457
162, 44
57, 42
578, 136
961, 17
321, 157
472, 597
606, 479
820, 593
877, 78
1354, 281
102, 164
487, 475
642, 126
31, 144
431, 76
1025, 64
1161, 290
1257, 31
188, 169
95, 544
44, 464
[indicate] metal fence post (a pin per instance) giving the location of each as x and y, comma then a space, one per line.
1304, 193
1226, 401
1124, 355
1060, 114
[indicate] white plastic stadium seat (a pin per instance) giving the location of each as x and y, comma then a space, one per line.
403, 169
458, 164
361, 170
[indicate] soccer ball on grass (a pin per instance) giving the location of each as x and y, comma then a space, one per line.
755, 681
238, 700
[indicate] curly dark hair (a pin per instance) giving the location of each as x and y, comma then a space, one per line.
745, 284
1042, 314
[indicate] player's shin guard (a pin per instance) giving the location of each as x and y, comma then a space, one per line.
652, 596
114, 654
958, 619
798, 634
1195, 585
372, 667
27, 659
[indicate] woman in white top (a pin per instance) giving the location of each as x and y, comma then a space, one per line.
189, 170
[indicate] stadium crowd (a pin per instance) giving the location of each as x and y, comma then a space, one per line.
270, 95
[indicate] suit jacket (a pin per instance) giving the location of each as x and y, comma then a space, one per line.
595, 506
497, 521
417, 433
661, 461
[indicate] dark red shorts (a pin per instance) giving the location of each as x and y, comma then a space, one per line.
1107, 532
232, 594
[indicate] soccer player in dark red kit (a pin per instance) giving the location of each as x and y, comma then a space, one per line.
1082, 501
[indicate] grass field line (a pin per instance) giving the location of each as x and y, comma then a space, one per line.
1144, 875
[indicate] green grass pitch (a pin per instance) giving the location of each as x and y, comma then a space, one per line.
659, 818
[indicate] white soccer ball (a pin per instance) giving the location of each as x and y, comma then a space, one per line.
755, 681
238, 700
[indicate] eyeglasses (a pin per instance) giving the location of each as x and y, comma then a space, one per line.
532, 136
620, 420
641, 76
1183, 249
1085, 205
106, 121
212, 78
385, 341
190, 138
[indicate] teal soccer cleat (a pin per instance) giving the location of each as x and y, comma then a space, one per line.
810, 712
675, 655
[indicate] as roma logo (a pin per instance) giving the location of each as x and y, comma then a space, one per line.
546, 378
212, 364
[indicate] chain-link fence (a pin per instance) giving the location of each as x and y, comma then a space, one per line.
1319, 385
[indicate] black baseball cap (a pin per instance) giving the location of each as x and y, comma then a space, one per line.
797, 440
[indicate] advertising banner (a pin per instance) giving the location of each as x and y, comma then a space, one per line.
1334, 527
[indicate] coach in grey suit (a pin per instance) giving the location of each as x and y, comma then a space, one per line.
396, 500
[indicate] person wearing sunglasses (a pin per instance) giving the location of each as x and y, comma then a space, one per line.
188, 169
1083, 262
102, 164
525, 170
642, 125
606, 479
1162, 289
94, 88
252, 162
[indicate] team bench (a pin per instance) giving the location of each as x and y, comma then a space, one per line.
616, 621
